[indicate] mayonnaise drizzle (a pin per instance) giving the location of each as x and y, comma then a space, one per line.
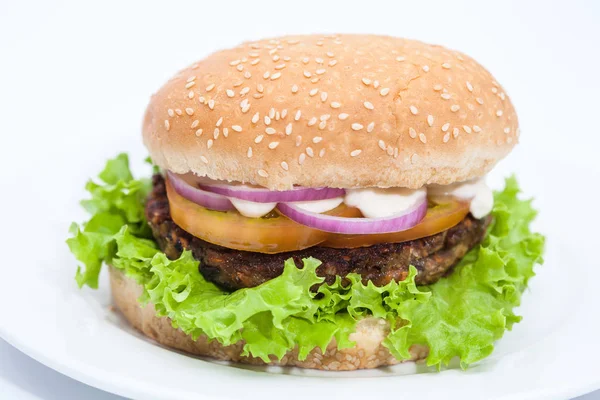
380, 203
480, 194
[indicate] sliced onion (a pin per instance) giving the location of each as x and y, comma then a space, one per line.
201, 197
327, 223
261, 195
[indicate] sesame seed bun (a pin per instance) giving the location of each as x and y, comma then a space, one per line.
367, 353
338, 111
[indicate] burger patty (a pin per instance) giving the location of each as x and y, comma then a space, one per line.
432, 256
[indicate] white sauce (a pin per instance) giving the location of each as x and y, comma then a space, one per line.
252, 209
481, 196
319, 206
380, 203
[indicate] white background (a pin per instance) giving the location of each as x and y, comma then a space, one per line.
89, 68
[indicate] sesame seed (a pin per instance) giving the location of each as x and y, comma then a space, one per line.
249, 153
209, 143
343, 116
494, 90
284, 166
199, 132
276, 58
507, 130
272, 113
390, 150
499, 113
355, 153
322, 125
454, 108
437, 87
366, 81
312, 121
260, 88
298, 140
195, 124
204, 159
234, 62
370, 127
467, 128
201, 100
298, 115
320, 71
211, 104
191, 78
445, 126
469, 86
479, 100
305, 60
266, 75
295, 89
446, 137
414, 110
307, 74
301, 158
171, 113
384, 91
245, 90
313, 91
422, 138
368, 105
230, 93
381, 145
259, 138
332, 63
280, 66
238, 83
167, 124
445, 96
273, 145
309, 152
240, 67
225, 132
270, 131
426, 68
191, 94
446, 66
476, 128
178, 111
210, 87
236, 128
315, 80
190, 84
245, 108
288, 129
267, 120
323, 96
317, 139
375, 84
255, 61
189, 111
400, 58
430, 120
322, 152
276, 75
319, 60
219, 122
284, 113
325, 117
412, 133
255, 118
356, 126
263, 173
502, 96
216, 133
455, 132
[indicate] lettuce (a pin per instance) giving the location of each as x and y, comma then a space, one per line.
459, 316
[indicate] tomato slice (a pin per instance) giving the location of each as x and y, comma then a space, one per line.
271, 234
443, 214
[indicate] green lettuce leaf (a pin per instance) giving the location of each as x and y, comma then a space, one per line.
459, 316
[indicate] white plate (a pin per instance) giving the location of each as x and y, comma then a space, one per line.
553, 353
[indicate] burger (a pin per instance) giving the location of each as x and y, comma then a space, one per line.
319, 202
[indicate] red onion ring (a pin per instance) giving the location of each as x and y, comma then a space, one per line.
328, 223
260, 195
201, 197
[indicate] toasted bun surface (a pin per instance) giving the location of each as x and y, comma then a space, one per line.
338, 111
368, 352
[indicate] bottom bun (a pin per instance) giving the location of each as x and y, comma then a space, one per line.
367, 353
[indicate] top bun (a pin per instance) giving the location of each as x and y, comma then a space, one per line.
339, 111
